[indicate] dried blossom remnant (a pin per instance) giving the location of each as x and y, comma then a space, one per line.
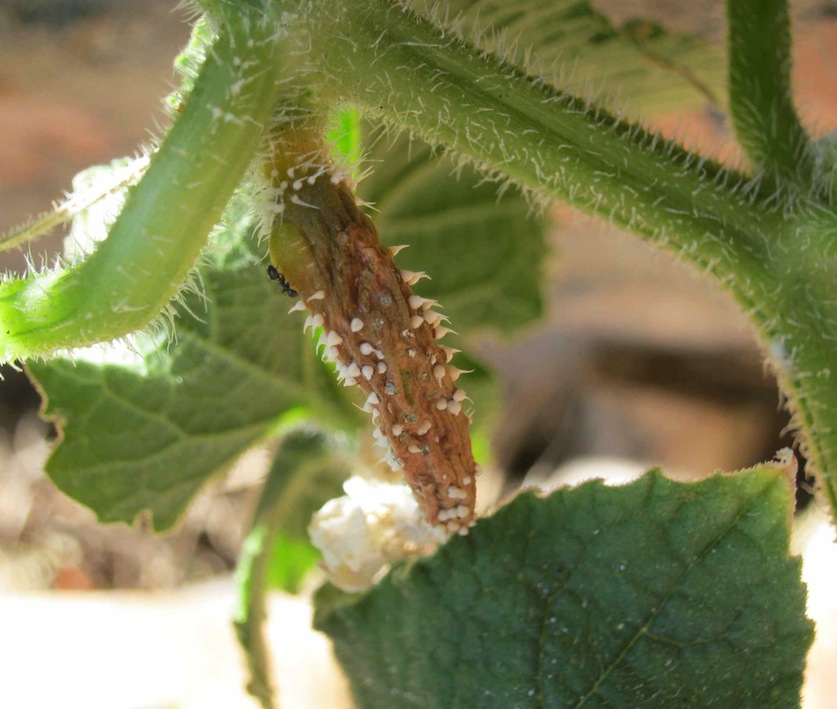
382, 337
372, 525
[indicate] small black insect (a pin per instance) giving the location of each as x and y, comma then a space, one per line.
274, 275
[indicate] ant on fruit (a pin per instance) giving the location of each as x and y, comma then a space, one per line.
274, 275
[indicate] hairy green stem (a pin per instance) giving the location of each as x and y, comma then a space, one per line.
761, 103
153, 244
541, 138
251, 614
778, 259
307, 461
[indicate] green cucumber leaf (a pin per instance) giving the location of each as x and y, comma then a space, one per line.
345, 135
144, 431
484, 254
290, 561
657, 593
642, 65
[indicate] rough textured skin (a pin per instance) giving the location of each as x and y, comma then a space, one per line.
381, 337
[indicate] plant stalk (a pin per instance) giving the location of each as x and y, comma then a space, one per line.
132, 275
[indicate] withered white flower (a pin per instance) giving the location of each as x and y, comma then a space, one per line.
374, 524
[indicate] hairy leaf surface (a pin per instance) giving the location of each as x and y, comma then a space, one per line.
641, 64
657, 593
483, 253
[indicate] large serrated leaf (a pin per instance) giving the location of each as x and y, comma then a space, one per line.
642, 65
146, 432
655, 594
484, 253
